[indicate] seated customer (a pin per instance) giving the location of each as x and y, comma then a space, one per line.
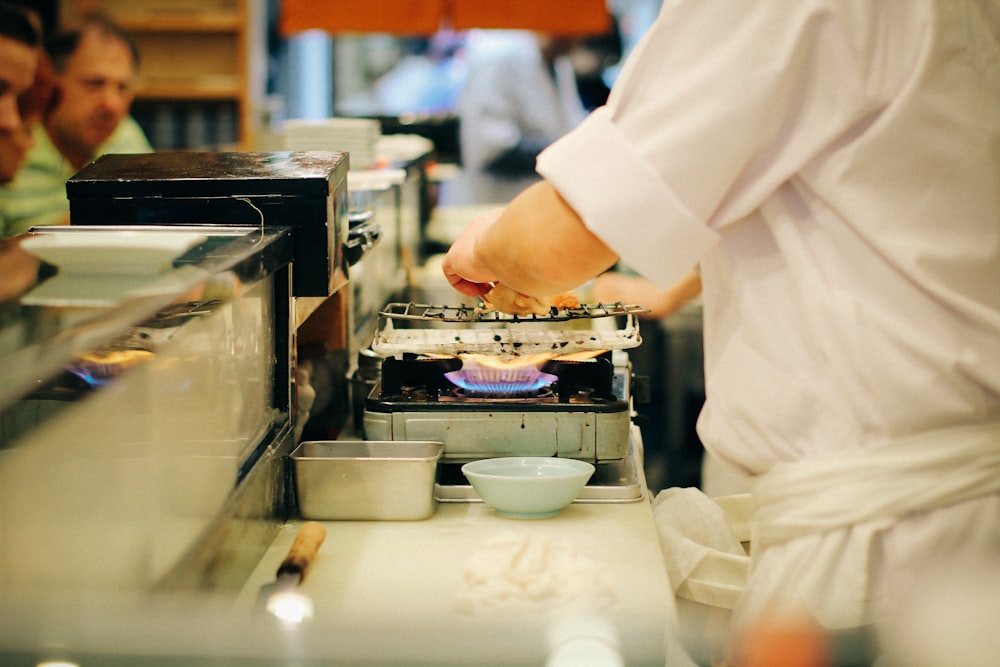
95, 67
19, 55
16, 141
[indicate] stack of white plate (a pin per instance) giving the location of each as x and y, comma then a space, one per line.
396, 148
357, 136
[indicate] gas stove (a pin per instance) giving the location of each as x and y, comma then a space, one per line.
584, 413
488, 384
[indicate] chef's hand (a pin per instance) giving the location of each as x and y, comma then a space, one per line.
463, 268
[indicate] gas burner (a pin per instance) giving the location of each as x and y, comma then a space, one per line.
584, 413
499, 378
545, 393
458, 394
430, 380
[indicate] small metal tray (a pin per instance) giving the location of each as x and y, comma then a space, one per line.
375, 480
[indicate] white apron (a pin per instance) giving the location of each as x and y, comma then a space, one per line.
850, 499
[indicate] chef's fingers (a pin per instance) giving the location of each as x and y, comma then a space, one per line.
462, 269
468, 287
462, 258
456, 278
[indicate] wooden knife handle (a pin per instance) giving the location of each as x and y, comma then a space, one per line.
307, 543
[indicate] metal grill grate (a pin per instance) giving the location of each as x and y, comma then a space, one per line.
472, 314
455, 330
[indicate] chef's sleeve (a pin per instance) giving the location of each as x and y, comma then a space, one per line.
714, 110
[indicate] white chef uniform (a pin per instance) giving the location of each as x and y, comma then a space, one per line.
834, 166
510, 95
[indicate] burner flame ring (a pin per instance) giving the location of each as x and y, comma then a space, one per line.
493, 378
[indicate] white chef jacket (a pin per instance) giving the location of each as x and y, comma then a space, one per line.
834, 167
510, 94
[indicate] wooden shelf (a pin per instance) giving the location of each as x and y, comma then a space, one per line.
200, 88
209, 21
192, 51
186, 94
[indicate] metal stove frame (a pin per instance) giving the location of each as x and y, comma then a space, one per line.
600, 432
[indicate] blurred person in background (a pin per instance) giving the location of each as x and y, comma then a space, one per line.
520, 95
96, 67
32, 104
619, 286
19, 57
427, 79
594, 58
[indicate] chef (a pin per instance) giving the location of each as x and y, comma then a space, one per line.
833, 167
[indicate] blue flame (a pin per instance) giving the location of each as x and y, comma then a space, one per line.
531, 383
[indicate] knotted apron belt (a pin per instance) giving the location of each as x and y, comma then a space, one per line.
868, 489
920, 472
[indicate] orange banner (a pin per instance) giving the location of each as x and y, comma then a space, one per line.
425, 17
569, 17
397, 17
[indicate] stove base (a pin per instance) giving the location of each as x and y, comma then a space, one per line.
471, 435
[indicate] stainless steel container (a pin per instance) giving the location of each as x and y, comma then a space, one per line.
366, 480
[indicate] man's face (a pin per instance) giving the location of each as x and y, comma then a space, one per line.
17, 72
95, 92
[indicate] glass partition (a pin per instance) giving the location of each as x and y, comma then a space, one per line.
144, 370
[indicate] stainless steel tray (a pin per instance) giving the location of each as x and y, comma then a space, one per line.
365, 479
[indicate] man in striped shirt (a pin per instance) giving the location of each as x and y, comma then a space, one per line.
96, 66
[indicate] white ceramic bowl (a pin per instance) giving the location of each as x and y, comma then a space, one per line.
528, 487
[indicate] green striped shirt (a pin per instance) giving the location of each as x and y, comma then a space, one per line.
37, 195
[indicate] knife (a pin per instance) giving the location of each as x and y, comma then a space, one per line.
280, 596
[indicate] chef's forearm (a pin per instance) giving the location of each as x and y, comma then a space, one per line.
540, 247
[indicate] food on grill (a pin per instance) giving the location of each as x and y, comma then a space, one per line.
507, 300
565, 300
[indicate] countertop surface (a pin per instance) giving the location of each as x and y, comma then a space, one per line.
463, 587
468, 586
